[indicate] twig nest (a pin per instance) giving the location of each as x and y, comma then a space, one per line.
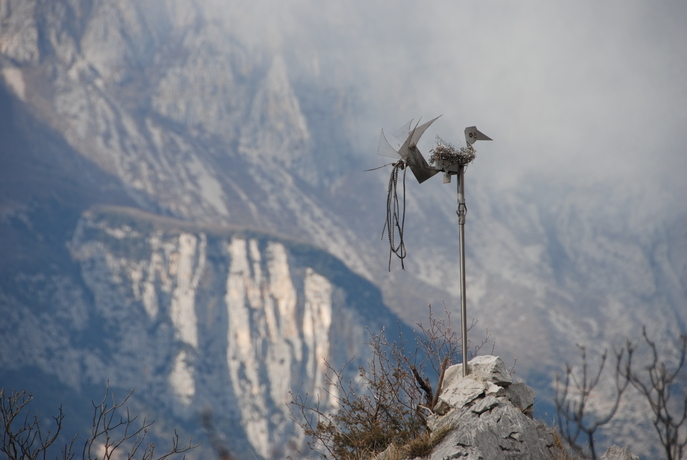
446, 154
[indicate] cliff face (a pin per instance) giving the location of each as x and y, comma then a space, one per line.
150, 104
194, 319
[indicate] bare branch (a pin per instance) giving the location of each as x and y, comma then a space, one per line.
22, 437
664, 389
572, 396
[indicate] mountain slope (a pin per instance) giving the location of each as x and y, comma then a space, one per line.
165, 107
193, 318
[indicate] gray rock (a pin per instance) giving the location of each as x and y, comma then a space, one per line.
522, 397
503, 432
618, 453
463, 392
484, 405
487, 375
485, 368
489, 417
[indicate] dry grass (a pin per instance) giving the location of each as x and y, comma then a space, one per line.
421, 446
562, 451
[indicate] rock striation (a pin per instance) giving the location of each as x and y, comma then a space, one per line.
489, 416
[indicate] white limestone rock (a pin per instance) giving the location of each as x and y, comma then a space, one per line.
487, 375
485, 368
232, 321
522, 397
499, 433
488, 416
484, 405
459, 395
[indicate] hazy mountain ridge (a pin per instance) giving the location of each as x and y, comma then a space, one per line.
193, 173
187, 120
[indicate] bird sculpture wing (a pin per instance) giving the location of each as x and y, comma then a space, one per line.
412, 155
408, 151
385, 149
402, 132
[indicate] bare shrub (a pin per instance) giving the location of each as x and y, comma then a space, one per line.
664, 387
385, 403
572, 398
113, 436
22, 436
660, 381
562, 449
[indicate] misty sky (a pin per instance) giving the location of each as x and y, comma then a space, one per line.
579, 90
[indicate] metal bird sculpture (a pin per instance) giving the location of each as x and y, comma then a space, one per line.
445, 158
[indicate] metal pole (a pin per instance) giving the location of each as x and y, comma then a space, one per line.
462, 211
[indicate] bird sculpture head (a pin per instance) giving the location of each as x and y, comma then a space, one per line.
472, 134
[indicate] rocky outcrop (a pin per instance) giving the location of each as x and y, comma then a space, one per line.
489, 416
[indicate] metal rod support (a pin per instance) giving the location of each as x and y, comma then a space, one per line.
462, 211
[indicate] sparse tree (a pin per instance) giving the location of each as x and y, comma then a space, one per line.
111, 433
662, 384
572, 398
22, 435
664, 387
